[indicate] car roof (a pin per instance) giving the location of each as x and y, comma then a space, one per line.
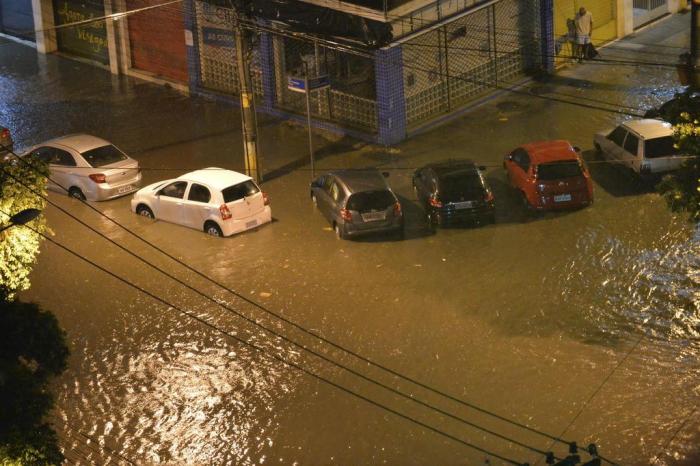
550, 151
649, 128
79, 142
447, 167
358, 180
217, 178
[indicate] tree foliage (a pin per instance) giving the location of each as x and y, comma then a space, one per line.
682, 188
19, 246
33, 349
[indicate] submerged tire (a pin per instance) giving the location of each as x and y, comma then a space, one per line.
76, 193
212, 229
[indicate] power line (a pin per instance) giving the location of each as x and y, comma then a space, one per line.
260, 349
295, 325
278, 334
673, 437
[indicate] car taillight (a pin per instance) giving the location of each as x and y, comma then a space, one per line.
345, 215
433, 201
225, 213
98, 178
5, 134
488, 197
266, 198
397, 209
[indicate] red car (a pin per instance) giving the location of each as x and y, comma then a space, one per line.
550, 175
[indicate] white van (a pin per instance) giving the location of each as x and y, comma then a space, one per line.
645, 146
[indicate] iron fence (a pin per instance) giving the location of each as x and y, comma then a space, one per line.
449, 66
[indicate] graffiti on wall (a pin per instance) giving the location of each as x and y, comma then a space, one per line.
86, 40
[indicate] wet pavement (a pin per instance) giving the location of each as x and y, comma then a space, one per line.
526, 318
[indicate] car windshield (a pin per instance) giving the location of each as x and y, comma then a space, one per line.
660, 147
104, 155
370, 200
556, 170
461, 185
239, 191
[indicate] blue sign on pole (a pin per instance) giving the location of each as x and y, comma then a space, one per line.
319, 82
296, 84
315, 84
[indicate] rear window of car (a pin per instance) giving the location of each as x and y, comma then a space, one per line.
239, 191
104, 155
660, 147
554, 171
370, 200
460, 185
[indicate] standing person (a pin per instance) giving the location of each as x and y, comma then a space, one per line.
584, 28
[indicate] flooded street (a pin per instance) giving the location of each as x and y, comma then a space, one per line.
584, 325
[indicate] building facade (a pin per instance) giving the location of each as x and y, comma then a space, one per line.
444, 55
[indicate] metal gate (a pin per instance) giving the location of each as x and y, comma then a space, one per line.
217, 53
456, 62
646, 11
351, 98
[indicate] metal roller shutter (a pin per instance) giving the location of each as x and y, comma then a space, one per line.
16, 18
604, 23
157, 40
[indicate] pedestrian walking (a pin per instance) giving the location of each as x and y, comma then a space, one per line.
584, 28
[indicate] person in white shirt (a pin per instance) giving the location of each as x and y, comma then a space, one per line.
584, 28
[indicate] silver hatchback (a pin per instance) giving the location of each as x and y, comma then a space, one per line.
88, 167
357, 202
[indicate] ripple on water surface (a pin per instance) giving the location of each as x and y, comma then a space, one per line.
174, 392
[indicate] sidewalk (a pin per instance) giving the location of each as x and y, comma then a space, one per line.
47, 96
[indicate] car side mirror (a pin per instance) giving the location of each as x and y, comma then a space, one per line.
577, 149
482, 167
385, 174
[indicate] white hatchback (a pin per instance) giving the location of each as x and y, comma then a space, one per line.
88, 167
220, 202
645, 146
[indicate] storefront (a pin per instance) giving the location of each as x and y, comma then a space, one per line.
16, 18
88, 40
157, 40
604, 23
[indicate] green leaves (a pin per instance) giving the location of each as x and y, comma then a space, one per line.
32, 349
19, 246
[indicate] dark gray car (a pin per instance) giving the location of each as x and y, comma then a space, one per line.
357, 202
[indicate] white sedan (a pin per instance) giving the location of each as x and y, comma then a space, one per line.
220, 202
88, 167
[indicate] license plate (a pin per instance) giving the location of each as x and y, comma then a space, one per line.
125, 189
251, 224
373, 216
562, 198
464, 205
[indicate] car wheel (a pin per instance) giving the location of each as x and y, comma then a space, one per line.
144, 211
338, 231
76, 193
525, 202
212, 229
314, 200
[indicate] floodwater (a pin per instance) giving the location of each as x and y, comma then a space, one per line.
585, 322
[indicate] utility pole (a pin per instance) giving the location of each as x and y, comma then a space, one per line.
250, 138
694, 62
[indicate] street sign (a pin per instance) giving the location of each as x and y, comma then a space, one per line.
319, 82
314, 84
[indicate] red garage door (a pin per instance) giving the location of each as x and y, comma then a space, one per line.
157, 39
